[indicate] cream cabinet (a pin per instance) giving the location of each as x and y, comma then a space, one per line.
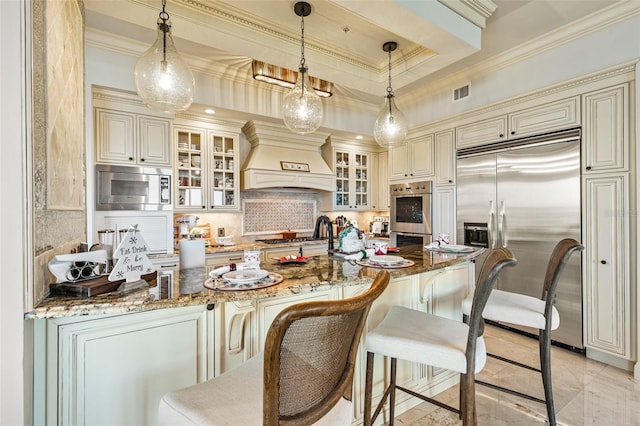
353, 170
445, 157
307, 250
217, 260
606, 130
608, 296
412, 160
380, 189
444, 211
544, 118
114, 369
206, 170
125, 138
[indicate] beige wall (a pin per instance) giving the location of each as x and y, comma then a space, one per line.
59, 210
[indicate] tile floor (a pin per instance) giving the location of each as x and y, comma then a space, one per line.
586, 392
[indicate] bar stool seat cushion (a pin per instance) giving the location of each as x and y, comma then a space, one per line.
515, 308
233, 398
416, 336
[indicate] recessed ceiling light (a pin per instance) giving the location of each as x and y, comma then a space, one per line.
210, 111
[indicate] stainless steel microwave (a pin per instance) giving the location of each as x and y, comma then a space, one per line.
133, 188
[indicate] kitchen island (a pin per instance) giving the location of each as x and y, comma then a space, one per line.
110, 358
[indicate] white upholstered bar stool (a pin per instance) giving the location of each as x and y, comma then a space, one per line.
304, 377
541, 314
416, 336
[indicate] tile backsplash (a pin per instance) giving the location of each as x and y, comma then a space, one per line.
268, 216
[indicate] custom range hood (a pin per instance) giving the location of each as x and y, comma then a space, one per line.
281, 159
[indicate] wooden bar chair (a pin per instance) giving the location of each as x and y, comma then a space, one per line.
541, 314
305, 375
416, 336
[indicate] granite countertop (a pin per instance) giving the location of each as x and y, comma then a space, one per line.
319, 273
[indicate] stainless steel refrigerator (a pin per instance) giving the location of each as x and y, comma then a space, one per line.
525, 195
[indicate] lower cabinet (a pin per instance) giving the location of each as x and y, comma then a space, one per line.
608, 298
114, 369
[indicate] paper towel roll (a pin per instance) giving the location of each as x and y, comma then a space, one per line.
191, 253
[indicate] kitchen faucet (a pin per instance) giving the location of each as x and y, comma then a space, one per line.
324, 221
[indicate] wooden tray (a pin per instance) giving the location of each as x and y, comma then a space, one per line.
93, 287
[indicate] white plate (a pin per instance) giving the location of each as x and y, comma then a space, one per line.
456, 249
386, 260
245, 276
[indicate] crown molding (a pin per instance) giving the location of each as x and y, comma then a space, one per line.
610, 16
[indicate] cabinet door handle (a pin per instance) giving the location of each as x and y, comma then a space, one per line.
604, 262
588, 167
235, 258
175, 265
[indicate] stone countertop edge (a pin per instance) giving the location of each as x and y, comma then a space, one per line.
319, 273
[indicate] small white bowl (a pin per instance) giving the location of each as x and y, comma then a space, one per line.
225, 241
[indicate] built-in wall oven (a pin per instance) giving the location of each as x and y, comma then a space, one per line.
410, 215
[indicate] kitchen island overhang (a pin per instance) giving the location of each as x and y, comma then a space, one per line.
319, 273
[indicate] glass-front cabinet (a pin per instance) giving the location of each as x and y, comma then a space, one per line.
223, 180
190, 164
206, 176
352, 172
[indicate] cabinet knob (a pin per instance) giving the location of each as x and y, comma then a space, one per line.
405, 175
142, 160
130, 158
588, 167
604, 262
450, 181
501, 135
513, 132
210, 307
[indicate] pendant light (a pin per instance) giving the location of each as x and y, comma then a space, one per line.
163, 79
302, 107
391, 126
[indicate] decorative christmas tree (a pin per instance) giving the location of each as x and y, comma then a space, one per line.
132, 259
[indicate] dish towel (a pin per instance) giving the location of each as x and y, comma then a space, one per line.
360, 255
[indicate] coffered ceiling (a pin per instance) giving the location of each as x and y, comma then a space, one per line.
343, 38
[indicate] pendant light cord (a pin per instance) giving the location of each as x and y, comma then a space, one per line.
164, 17
303, 68
389, 88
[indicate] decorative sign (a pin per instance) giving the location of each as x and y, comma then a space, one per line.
132, 258
294, 167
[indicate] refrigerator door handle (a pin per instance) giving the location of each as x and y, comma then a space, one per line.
502, 225
490, 225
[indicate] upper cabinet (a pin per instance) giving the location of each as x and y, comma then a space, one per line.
412, 159
380, 188
606, 130
206, 169
544, 118
125, 138
445, 157
352, 171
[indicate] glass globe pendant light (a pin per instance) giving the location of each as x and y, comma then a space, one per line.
391, 126
163, 79
302, 107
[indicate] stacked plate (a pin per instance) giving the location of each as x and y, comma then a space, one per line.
246, 276
385, 260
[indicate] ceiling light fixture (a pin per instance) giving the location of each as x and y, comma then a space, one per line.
391, 127
302, 108
285, 77
163, 79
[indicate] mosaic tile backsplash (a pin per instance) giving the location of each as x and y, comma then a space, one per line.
268, 216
